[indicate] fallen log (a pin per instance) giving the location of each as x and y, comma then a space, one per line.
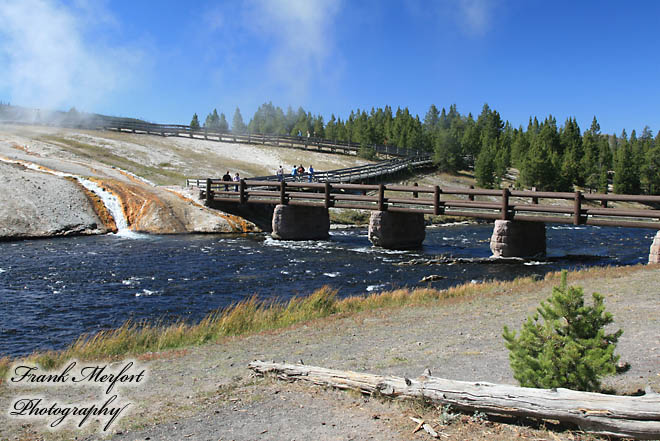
623, 416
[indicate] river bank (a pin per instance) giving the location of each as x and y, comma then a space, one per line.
45, 171
206, 392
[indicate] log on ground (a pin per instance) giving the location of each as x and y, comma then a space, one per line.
624, 416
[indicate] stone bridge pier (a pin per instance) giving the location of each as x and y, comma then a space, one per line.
517, 239
654, 253
398, 231
295, 222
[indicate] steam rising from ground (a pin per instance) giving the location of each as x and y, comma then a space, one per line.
48, 58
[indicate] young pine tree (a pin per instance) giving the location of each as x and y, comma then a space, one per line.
237, 123
570, 348
194, 123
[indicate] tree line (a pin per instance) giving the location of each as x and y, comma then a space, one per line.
542, 155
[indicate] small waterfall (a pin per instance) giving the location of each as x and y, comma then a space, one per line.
110, 201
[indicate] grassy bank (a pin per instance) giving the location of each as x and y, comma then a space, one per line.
252, 316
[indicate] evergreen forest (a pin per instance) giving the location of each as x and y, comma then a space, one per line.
546, 155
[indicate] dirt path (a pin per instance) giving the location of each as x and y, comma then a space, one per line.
207, 392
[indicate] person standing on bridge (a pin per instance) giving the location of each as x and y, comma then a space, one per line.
226, 178
280, 174
301, 172
236, 179
294, 172
310, 176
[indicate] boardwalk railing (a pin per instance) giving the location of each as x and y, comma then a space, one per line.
583, 209
360, 173
297, 142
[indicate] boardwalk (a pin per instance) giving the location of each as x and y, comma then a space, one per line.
296, 142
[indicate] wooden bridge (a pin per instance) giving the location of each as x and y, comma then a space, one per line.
360, 174
520, 215
301, 208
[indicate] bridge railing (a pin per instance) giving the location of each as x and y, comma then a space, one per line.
502, 204
351, 174
298, 142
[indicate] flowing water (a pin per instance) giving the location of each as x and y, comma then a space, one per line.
53, 290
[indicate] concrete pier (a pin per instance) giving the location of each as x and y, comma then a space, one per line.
517, 239
300, 223
654, 253
398, 231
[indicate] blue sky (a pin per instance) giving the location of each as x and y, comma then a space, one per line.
165, 60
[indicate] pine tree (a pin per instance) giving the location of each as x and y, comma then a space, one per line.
484, 167
223, 126
331, 128
570, 348
431, 119
237, 124
626, 172
447, 152
319, 130
471, 141
194, 123
603, 181
651, 171
538, 169
519, 149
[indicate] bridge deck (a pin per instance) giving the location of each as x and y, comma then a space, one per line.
575, 208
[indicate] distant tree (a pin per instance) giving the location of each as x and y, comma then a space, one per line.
431, 119
319, 129
223, 126
471, 141
331, 130
603, 181
447, 152
538, 170
651, 171
484, 167
237, 124
212, 121
519, 149
572, 148
490, 124
502, 162
626, 172
194, 123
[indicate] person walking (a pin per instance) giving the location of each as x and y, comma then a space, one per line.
294, 172
310, 176
280, 174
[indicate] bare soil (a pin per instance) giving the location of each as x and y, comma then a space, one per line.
207, 392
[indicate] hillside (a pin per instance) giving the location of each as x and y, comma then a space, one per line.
147, 173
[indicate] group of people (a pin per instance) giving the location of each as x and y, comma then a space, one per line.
297, 173
227, 178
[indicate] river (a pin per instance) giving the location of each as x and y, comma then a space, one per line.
53, 290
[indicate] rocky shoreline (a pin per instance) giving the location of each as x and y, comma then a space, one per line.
40, 202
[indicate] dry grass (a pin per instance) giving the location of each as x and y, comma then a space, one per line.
253, 316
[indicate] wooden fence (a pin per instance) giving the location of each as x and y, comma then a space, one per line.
582, 208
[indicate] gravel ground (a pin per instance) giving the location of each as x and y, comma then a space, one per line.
208, 393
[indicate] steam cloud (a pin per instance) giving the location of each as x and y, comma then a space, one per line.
49, 59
